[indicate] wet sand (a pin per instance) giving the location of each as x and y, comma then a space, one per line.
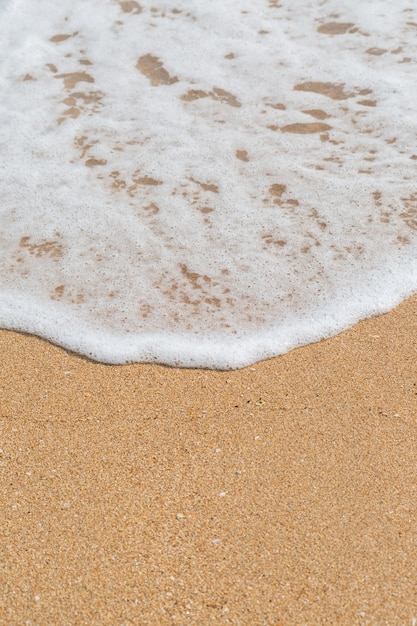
283, 493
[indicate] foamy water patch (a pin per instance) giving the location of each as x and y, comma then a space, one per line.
203, 184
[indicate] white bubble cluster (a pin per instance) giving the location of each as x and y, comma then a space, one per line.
205, 183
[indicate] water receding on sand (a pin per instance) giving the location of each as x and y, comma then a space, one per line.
205, 184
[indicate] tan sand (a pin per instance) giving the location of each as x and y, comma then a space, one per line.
284, 493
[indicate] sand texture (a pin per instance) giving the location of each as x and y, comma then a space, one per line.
283, 493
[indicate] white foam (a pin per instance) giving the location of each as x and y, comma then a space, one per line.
205, 183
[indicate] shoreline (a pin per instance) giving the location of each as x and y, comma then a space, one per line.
280, 493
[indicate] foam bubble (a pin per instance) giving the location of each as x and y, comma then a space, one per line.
205, 184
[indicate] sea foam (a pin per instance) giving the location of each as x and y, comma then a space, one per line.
205, 183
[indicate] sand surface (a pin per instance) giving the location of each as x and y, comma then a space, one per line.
283, 493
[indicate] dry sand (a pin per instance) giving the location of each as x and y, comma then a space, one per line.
283, 493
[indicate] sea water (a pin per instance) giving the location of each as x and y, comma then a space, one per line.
205, 182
